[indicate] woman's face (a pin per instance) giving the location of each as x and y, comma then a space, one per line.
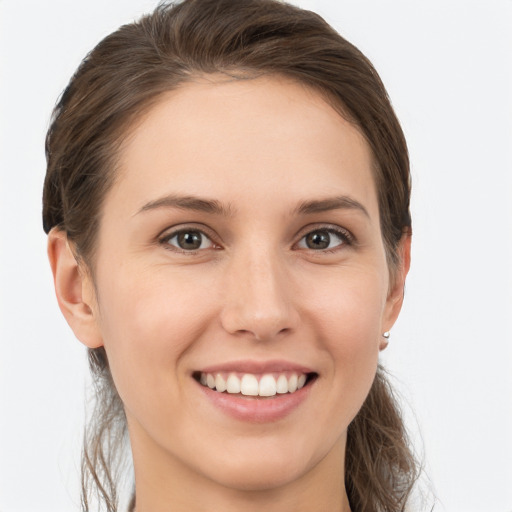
241, 247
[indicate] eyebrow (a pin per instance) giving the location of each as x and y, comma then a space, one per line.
194, 203
330, 203
212, 206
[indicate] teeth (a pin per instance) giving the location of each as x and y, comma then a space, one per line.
249, 385
292, 383
233, 384
268, 386
220, 383
282, 384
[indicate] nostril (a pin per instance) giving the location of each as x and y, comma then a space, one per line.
263, 332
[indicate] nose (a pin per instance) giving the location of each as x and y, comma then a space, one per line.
258, 300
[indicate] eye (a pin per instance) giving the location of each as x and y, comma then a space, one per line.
188, 240
323, 239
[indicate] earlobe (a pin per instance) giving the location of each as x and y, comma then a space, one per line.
395, 297
73, 289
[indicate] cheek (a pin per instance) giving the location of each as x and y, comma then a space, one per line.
349, 309
148, 321
146, 308
348, 317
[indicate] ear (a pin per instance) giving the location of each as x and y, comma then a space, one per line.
74, 289
395, 297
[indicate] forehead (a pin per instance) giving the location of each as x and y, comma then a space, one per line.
239, 138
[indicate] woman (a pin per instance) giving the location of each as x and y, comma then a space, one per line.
227, 203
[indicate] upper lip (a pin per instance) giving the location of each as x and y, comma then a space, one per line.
257, 367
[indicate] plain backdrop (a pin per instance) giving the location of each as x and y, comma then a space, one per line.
447, 65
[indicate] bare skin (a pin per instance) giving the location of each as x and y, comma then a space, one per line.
243, 229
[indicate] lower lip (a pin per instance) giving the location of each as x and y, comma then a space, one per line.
257, 409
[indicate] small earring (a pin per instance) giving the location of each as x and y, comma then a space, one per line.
386, 335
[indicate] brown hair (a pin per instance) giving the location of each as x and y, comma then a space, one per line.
120, 79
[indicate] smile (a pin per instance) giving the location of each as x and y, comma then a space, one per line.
256, 391
249, 384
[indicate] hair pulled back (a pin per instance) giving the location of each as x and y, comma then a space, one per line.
121, 79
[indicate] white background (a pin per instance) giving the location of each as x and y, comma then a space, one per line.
447, 65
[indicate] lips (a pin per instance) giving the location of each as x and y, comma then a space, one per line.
256, 392
250, 384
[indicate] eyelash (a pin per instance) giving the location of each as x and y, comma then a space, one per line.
165, 239
344, 235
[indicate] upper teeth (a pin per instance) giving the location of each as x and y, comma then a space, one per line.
253, 385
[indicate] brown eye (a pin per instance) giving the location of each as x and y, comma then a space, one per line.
318, 240
189, 240
322, 239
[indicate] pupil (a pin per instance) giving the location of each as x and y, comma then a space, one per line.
318, 240
189, 240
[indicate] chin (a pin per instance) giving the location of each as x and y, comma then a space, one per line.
264, 475
262, 466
